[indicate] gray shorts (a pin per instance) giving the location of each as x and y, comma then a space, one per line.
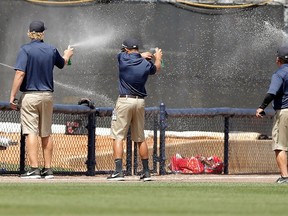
280, 130
36, 113
128, 112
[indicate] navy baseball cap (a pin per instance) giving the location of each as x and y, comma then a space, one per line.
37, 26
282, 52
130, 43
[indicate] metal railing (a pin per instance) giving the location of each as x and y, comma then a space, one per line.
83, 146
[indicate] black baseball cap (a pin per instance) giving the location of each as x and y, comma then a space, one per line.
130, 43
282, 52
37, 26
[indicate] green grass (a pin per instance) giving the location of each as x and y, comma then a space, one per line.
149, 198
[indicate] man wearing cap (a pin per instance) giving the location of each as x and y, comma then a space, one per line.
134, 69
34, 78
278, 93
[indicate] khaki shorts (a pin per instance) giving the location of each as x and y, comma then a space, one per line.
36, 110
128, 112
280, 130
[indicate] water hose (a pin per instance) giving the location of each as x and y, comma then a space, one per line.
216, 9
214, 6
61, 2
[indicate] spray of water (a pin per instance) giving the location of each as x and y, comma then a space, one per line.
105, 101
94, 41
75, 88
5, 65
278, 33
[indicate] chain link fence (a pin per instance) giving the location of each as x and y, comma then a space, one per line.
240, 139
82, 143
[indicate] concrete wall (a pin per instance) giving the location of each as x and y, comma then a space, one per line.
212, 58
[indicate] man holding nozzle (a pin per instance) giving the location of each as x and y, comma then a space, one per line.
34, 78
278, 93
134, 70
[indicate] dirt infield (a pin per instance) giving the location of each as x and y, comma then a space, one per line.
163, 178
70, 151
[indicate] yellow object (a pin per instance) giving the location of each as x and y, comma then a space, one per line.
61, 2
215, 6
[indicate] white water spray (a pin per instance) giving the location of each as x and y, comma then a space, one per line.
95, 41
106, 101
279, 33
75, 88
5, 65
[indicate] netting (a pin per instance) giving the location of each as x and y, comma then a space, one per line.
236, 136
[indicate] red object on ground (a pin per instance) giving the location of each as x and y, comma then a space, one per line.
196, 165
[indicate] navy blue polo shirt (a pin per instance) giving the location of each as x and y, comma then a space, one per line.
37, 60
133, 74
279, 87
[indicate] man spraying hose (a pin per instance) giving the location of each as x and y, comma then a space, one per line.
278, 93
134, 70
34, 78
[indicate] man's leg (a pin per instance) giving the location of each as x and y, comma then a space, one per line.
47, 147
281, 158
32, 149
117, 154
279, 144
118, 149
143, 152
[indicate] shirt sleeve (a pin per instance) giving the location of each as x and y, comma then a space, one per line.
267, 100
59, 60
275, 85
153, 68
21, 61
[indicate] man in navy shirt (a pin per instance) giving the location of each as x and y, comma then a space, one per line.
134, 70
34, 78
278, 93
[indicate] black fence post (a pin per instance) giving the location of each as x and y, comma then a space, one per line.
226, 145
162, 139
91, 157
22, 153
155, 152
129, 154
135, 165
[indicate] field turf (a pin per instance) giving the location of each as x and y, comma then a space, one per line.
138, 198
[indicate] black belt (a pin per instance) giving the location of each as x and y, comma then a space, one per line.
130, 96
32, 91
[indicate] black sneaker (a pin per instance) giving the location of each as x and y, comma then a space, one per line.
145, 176
47, 173
282, 180
116, 176
32, 173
